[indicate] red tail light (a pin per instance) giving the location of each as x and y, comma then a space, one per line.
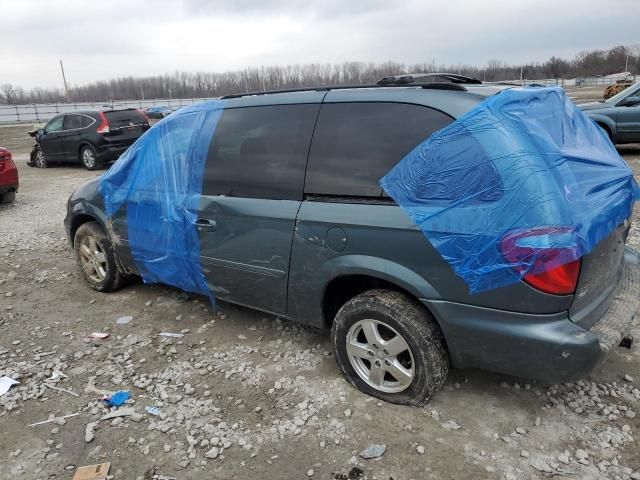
144, 115
5, 157
547, 255
104, 125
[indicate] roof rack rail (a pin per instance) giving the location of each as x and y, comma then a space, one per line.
441, 86
427, 86
419, 78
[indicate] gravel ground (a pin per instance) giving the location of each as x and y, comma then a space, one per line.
244, 395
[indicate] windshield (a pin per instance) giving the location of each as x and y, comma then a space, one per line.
623, 94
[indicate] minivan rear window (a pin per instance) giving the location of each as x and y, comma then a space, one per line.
356, 144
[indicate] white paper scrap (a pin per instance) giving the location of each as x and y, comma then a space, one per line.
6, 383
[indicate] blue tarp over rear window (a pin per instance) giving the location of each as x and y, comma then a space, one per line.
524, 160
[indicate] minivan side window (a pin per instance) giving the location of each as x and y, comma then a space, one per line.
260, 152
356, 144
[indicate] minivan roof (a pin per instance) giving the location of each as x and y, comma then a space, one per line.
452, 99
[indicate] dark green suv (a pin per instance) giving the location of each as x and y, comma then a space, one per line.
291, 220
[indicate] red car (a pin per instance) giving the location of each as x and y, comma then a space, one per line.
8, 177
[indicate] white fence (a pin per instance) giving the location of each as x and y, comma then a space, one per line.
37, 113
42, 112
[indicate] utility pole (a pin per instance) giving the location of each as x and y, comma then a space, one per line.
520, 75
626, 63
64, 79
141, 91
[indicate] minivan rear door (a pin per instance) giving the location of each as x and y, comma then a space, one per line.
252, 191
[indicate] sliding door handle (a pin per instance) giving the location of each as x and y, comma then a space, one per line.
204, 225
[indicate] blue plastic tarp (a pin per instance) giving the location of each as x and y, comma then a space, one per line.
524, 171
523, 183
158, 180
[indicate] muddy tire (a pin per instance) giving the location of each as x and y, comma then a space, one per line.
89, 158
96, 258
390, 347
8, 197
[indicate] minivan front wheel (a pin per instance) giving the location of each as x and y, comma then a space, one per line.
89, 158
389, 346
96, 259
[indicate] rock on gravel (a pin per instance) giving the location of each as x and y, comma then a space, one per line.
89, 431
213, 453
451, 425
581, 454
373, 451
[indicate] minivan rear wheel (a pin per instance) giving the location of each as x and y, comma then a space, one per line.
96, 259
89, 158
390, 347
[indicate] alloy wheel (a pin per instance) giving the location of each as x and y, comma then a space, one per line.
40, 161
380, 356
88, 158
93, 259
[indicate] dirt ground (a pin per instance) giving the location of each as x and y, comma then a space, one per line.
244, 395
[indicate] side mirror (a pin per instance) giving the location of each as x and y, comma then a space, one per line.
631, 101
40, 131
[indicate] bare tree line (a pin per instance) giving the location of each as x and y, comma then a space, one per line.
200, 85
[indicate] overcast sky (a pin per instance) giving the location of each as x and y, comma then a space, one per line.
105, 39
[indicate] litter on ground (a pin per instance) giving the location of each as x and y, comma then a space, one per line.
6, 383
116, 399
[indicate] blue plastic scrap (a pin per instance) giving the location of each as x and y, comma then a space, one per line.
116, 399
521, 184
158, 180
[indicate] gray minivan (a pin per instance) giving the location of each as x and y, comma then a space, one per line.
292, 221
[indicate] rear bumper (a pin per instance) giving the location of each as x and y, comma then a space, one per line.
108, 151
550, 348
8, 188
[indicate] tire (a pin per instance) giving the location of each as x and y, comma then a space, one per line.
396, 318
96, 258
8, 197
39, 160
89, 158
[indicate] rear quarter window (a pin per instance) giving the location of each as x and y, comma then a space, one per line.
356, 144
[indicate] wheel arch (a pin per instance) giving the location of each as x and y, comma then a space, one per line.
80, 219
607, 124
366, 273
82, 144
